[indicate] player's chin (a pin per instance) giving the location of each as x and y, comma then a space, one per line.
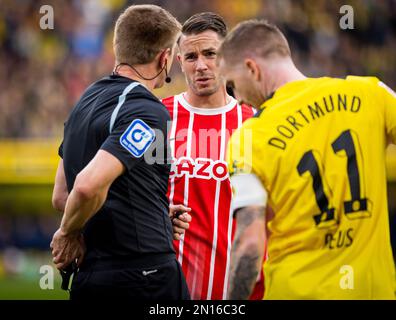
205, 91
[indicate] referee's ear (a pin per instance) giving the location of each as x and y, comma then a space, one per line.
164, 57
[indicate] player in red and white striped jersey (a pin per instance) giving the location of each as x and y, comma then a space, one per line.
203, 119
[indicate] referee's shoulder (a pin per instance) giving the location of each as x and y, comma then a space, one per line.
96, 87
143, 101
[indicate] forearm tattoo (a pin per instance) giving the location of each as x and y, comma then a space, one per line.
245, 263
244, 275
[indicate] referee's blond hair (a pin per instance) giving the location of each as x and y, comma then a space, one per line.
141, 32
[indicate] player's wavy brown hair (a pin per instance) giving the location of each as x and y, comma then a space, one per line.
254, 37
204, 21
141, 32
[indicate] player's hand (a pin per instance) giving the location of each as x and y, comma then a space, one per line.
180, 219
67, 248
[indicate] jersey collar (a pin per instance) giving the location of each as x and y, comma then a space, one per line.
205, 111
284, 89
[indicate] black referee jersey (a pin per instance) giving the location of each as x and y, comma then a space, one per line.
122, 117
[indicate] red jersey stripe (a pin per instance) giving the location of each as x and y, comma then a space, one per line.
199, 179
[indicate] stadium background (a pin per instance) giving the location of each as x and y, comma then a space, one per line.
43, 72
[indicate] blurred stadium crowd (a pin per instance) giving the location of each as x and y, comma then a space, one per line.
43, 72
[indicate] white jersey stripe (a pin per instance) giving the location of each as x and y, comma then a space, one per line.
229, 230
189, 135
174, 126
121, 100
186, 181
223, 135
229, 242
216, 209
172, 138
214, 243
239, 110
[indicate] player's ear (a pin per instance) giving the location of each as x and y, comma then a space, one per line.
179, 59
253, 69
179, 55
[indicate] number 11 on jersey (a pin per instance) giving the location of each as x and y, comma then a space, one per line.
358, 205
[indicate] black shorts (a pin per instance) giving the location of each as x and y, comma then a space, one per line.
156, 279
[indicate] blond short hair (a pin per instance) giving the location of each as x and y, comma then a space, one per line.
257, 37
141, 32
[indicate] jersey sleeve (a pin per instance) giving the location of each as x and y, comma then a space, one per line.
240, 151
139, 124
244, 153
247, 185
389, 99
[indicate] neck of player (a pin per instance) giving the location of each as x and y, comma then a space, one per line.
216, 100
282, 72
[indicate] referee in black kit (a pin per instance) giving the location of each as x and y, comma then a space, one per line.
115, 222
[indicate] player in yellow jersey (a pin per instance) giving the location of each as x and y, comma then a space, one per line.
314, 152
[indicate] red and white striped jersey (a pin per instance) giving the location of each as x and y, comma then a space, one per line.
199, 179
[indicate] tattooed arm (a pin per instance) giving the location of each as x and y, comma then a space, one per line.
247, 252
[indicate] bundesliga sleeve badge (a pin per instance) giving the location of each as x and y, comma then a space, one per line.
137, 138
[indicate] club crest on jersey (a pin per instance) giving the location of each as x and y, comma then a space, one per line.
137, 138
202, 168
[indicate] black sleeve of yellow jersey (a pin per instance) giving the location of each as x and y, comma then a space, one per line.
150, 112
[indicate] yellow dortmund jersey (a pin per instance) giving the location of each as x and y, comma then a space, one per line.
318, 148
